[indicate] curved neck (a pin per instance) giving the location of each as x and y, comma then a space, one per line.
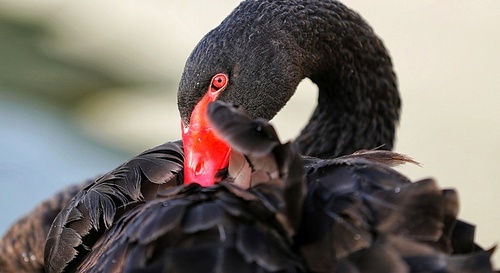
268, 46
358, 103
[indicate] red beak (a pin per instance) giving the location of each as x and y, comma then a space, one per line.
205, 154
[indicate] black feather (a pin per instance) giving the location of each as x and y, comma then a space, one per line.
97, 206
252, 137
214, 229
196, 230
362, 216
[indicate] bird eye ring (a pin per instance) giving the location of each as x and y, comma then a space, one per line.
219, 81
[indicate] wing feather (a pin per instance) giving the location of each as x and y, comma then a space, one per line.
95, 208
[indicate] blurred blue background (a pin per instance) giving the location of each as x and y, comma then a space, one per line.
85, 85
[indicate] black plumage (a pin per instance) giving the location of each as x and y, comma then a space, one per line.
223, 228
198, 230
95, 208
359, 214
267, 47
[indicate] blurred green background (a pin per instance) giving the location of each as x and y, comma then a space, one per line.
85, 85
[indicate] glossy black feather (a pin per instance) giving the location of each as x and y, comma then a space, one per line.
95, 208
252, 137
222, 228
256, 138
187, 238
397, 254
362, 216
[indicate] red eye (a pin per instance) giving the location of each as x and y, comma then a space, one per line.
219, 81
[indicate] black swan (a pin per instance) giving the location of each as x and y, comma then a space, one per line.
359, 215
256, 58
